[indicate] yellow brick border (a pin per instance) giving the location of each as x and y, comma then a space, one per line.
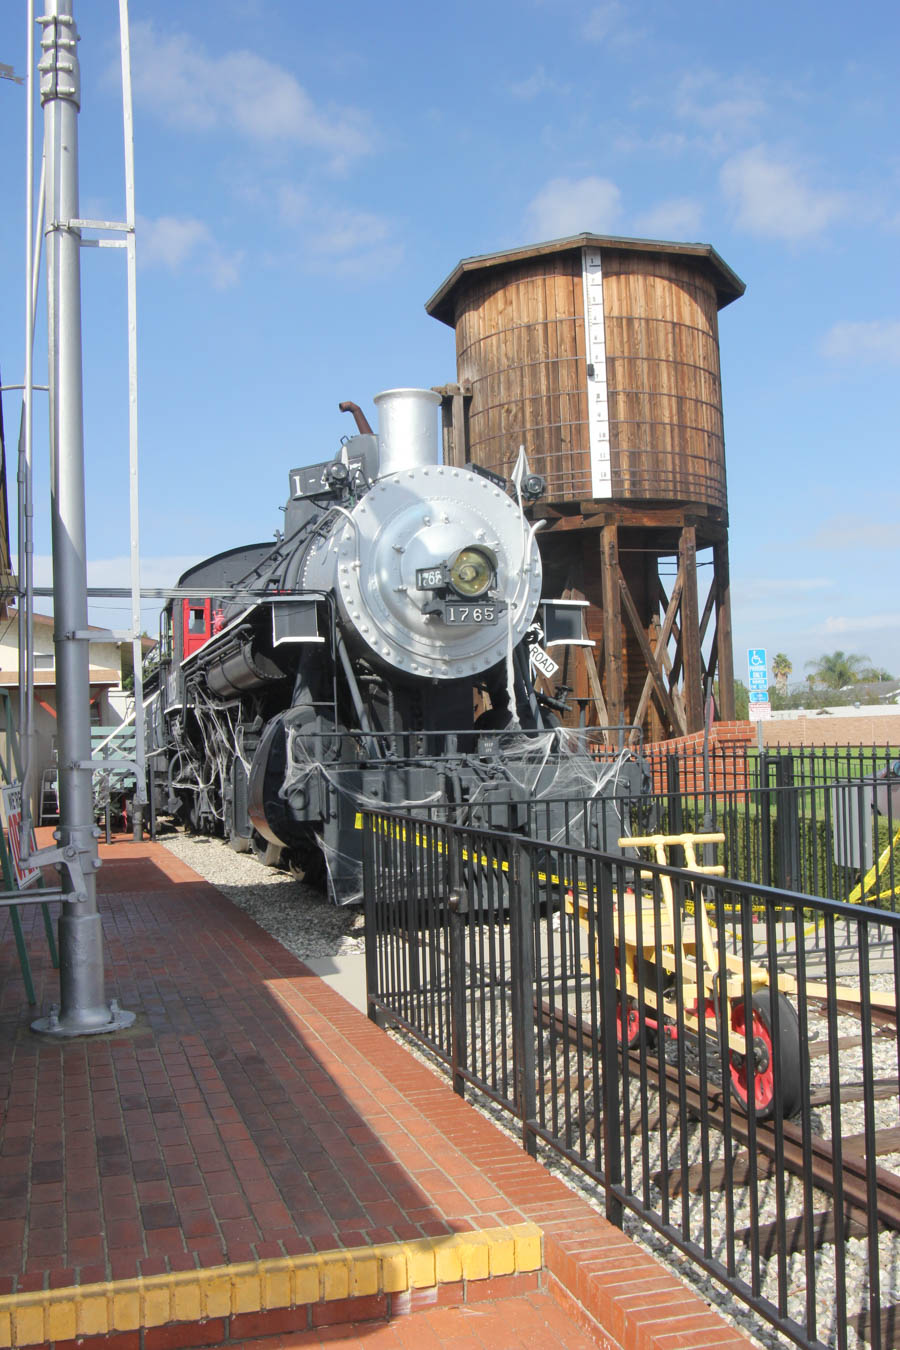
37, 1318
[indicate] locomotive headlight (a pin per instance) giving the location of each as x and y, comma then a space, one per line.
472, 573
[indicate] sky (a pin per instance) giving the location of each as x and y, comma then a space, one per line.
308, 175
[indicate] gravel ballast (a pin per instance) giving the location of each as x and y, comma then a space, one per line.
310, 927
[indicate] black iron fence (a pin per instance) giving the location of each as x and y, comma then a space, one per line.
716, 1057
824, 824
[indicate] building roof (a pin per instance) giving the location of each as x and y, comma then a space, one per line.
727, 283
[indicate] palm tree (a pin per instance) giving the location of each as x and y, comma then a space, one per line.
875, 675
781, 669
835, 670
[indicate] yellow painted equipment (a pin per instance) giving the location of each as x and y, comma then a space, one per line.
680, 952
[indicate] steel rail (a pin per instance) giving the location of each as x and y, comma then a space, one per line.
707, 1102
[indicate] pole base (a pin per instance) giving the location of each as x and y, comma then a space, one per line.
84, 1022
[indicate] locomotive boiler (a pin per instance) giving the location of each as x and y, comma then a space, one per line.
380, 652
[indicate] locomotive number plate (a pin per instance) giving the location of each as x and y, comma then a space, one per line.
470, 614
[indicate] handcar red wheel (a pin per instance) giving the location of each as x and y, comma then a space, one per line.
628, 1021
768, 1056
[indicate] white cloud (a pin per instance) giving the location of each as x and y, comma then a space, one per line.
859, 624
347, 241
673, 219
770, 197
536, 84
839, 533
721, 105
572, 206
189, 87
176, 242
608, 23
666, 142
763, 590
875, 340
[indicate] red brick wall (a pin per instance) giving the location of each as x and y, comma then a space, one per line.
727, 761
813, 730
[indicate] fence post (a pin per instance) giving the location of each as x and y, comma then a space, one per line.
676, 813
787, 822
521, 922
674, 810
765, 821
609, 1042
370, 874
458, 904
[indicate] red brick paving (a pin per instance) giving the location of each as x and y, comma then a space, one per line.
532, 1322
251, 1113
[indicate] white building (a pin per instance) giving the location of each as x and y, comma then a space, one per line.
110, 666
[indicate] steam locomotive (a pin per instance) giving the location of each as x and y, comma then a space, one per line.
382, 652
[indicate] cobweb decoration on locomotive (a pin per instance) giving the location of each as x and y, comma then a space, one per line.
344, 666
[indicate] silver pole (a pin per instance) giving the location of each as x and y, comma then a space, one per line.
140, 795
33, 240
26, 695
83, 1008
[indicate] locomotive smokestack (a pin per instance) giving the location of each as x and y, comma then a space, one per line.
407, 429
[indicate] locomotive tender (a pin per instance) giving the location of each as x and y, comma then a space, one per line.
344, 665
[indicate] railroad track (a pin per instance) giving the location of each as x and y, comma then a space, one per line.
755, 1151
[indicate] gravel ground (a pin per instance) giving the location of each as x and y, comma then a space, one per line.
298, 916
309, 926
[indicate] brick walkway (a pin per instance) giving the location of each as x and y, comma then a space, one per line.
532, 1322
253, 1115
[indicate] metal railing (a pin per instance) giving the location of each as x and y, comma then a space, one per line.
603, 1002
806, 823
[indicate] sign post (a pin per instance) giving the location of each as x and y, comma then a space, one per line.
758, 684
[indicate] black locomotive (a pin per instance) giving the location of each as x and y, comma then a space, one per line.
380, 652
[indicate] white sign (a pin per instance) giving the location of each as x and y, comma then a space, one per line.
11, 799
541, 661
595, 361
760, 712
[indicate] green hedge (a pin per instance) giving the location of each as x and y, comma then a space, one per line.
743, 853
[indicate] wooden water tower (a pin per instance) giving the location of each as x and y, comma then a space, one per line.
600, 356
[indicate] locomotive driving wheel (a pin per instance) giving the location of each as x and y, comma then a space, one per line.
306, 863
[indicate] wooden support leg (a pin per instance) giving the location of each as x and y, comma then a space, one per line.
725, 648
690, 630
612, 625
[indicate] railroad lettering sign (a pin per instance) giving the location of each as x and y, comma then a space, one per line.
541, 661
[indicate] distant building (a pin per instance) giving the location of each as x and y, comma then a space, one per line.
111, 670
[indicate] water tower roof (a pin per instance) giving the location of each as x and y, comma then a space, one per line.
727, 283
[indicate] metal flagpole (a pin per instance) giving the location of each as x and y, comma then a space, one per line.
140, 792
83, 1008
